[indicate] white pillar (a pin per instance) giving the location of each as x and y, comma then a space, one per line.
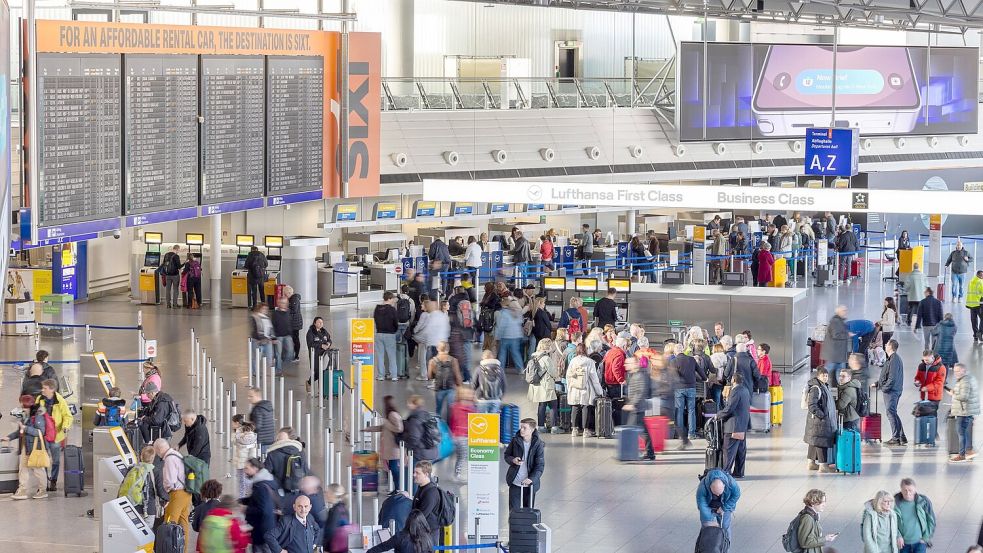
630, 222
398, 39
215, 263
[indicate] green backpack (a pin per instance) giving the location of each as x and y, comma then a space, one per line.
215, 534
197, 473
134, 482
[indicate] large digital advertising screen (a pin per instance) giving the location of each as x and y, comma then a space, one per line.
730, 91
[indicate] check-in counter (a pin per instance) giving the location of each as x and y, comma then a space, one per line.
426, 236
530, 230
338, 284
383, 276
605, 258
776, 316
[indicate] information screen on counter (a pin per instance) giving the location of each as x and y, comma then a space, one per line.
194, 239
161, 131
554, 283
245, 240
535, 207
153, 238
273, 241
425, 209
79, 118
463, 208
345, 213
233, 132
386, 210
620, 284
585, 284
498, 208
295, 101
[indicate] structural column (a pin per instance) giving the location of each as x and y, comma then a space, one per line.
215, 262
398, 40
630, 217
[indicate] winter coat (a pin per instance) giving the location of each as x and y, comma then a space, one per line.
945, 347
520, 253
923, 510
413, 429
57, 407
256, 265
810, 534
535, 464
542, 326
196, 438
889, 320
152, 378
157, 412
614, 367
432, 328
296, 318
891, 380
277, 457
931, 377
33, 436
244, 448
732, 493
744, 364
915, 285
481, 380
317, 337
391, 427
966, 397
879, 531
959, 261
836, 346
736, 414
546, 389
238, 536
821, 424
583, 384
281, 322
31, 386
261, 416
260, 506
846, 400
292, 536
766, 262
929, 311
639, 390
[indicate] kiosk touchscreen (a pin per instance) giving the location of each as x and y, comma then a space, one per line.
623, 286
148, 280
274, 247
123, 529
240, 292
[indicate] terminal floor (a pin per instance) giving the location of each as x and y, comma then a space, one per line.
593, 503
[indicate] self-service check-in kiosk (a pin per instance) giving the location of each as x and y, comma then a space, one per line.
123, 529
109, 475
623, 287
240, 290
274, 247
586, 289
149, 277
554, 287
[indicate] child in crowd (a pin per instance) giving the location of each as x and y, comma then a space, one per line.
111, 410
459, 412
764, 362
244, 443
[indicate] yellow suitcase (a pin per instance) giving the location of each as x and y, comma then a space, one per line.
779, 275
777, 404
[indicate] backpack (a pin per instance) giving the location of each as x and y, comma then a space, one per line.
294, 471
465, 317
196, 472
134, 482
489, 387
403, 311
446, 515
194, 270
431, 432
573, 327
643, 361
863, 402
533, 373
486, 320
444, 377
790, 539
804, 400
113, 417
215, 534
577, 379
173, 420
876, 356
172, 264
50, 431
712, 539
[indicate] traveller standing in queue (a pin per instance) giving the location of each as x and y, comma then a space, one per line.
637, 402
446, 375
461, 317
196, 437
965, 406
585, 249
318, 345
974, 298
614, 377
606, 310
263, 335
848, 392
386, 325
509, 334
521, 256
526, 458
489, 383
255, 266
765, 264
890, 383
472, 257
170, 267
261, 415
736, 416
177, 508
928, 315
54, 405
283, 346
958, 263
821, 423
192, 268
836, 346
428, 498
916, 518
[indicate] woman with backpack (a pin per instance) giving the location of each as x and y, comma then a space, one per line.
191, 272
805, 533
583, 387
542, 376
446, 374
151, 375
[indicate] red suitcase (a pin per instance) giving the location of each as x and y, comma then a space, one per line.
658, 428
815, 354
870, 426
856, 268
940, 292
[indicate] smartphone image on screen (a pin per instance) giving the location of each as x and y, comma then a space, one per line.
876, 89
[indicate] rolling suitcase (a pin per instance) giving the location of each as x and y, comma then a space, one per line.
815, 354
848, 451
508, 422
522, 535
132, 430
628, 439
658, 429
925, 430
712, 539
74, 470
761, 412
336, 383
565, 413
777, 404
705, 410
856, 268
822, 276
169, 538
9, 467
603, 418
952, 434
870, 426
714, 431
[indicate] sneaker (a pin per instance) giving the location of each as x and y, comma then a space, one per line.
813, 465
588, 434
19, 495
649, 457
394, 379
421, 379
893, 441
555, 430
904, 441
970, 453
541, 429
575, 433
379, 379
40, 495
953, 459
827, 468
682, 446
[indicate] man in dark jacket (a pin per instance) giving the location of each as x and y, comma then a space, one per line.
255, 276
688, 372
836, 346
170, 267
520, 254
196, 436
439, 252
386, 325
153, 425
298, 532
526, 458
428, 497
736, 416
639, 394
261, 415
296, 318
461, 339
929, 314
310, 486
605, 310
414, 431
47, 372
744, 365
262, 503
285, 461
891, 383
282, 329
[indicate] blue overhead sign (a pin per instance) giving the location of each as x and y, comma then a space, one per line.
832, 152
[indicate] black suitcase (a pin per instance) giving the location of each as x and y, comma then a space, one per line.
169, 538
74, 470
565, 413
132, 430
822, 276
704, 412
522, 536
603, 418
628, 443
714, 432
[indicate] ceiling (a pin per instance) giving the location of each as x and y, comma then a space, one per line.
944, 16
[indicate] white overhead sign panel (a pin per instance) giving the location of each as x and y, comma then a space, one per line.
705, 197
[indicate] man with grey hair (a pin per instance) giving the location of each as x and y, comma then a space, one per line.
965, 406
836, 346
195, 436
615, 377
958, 262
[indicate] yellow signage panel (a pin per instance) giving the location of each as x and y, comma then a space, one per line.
363, 330
585, 284
194, 239
620, 284
699, 234
273, 241
245, 240
153, 237
123, 445
554, 283
483, 429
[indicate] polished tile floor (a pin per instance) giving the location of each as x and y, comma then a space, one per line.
592, 503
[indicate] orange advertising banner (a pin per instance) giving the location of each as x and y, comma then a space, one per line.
364, 114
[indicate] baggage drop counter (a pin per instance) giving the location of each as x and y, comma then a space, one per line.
776, 316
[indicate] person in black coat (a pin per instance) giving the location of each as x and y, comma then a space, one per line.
295, 532
318, 344
428, 498
310, 486
31, 386
156, 417
736, 416
296, 318
255, 266
526, 458
821, 425
278, 458
542, 325
262, 503
414, 538
414, 429
196, 436
742, 363
261, 415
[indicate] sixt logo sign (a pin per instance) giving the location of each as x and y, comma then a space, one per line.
359, 123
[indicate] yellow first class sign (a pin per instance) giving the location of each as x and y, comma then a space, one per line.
363, 330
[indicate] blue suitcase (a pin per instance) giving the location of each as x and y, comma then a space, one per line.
925, 430
848, 451
628, 443
509, 422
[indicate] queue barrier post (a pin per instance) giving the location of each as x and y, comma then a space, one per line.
307, 438
297, 407
227, 417
249, 361
220, 418
290, 401
327, 454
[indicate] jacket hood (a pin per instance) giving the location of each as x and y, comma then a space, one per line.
490, 363
199, 422
286, 444
717, 474
262, 476
947, 322
532, 440
814, 381
264, 404
851, 384
247, 438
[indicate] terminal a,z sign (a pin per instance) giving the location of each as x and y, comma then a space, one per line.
832, 152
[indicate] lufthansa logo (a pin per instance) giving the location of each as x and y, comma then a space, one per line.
860, 200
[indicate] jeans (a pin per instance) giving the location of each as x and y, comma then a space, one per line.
717, 395
686, 402
927, 336
582, 417
172, 283
54, 450
467, 353
402, 360
424, 354
897, 431
385, 351
975, 317
531, 342
444, 398
554, 406
267, 350
254, 292
958, 279
284, 351
965, 436
488, 405
510, 347
724, 521
919, 547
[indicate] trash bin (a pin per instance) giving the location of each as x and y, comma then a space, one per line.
58, 309
18, 318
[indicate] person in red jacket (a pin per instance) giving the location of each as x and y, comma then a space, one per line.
614, 377
766, 262
459, 411
222, 531
546, 252
930, 377
764, 362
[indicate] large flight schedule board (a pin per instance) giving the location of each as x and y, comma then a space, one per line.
233, 132
161, 132
295, 105
79, 114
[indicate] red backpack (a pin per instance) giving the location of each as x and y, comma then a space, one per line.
573, 326
464, 315
50, 432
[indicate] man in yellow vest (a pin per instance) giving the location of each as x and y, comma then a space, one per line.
974, 295
56, 406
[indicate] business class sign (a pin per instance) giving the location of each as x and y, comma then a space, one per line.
704, 197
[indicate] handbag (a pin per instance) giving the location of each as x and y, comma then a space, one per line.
737, 435
39, 458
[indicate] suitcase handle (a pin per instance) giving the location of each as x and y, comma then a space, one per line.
532, 495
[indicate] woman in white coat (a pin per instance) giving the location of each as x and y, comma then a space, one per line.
583, 387
543, 392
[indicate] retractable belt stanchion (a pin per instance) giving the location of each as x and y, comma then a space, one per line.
356, 371
337, 466
290, 413
307, 438
409, 474
140, 345
209, 406
402, 467
228, 418
88, 339
331, 394
355, 498
327, 455
221, 407
191, 366
296, 415
312, 381
265, 382
249, 351
273, 389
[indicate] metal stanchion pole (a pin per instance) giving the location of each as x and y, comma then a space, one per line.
228, 418
265, 381
249, 351
220, 426
273, 391
191, 366
213, 396
375, 510
331, 393
402, 467
361, 501
210, 389
290, 413
327, 455
297, 408
307, 438
337, 468
409, 474
311, 379
88, 339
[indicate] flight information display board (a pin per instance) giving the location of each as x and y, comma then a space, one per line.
233, 133
161, 132
79, 104
295, 101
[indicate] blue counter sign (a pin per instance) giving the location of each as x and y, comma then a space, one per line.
833, 152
